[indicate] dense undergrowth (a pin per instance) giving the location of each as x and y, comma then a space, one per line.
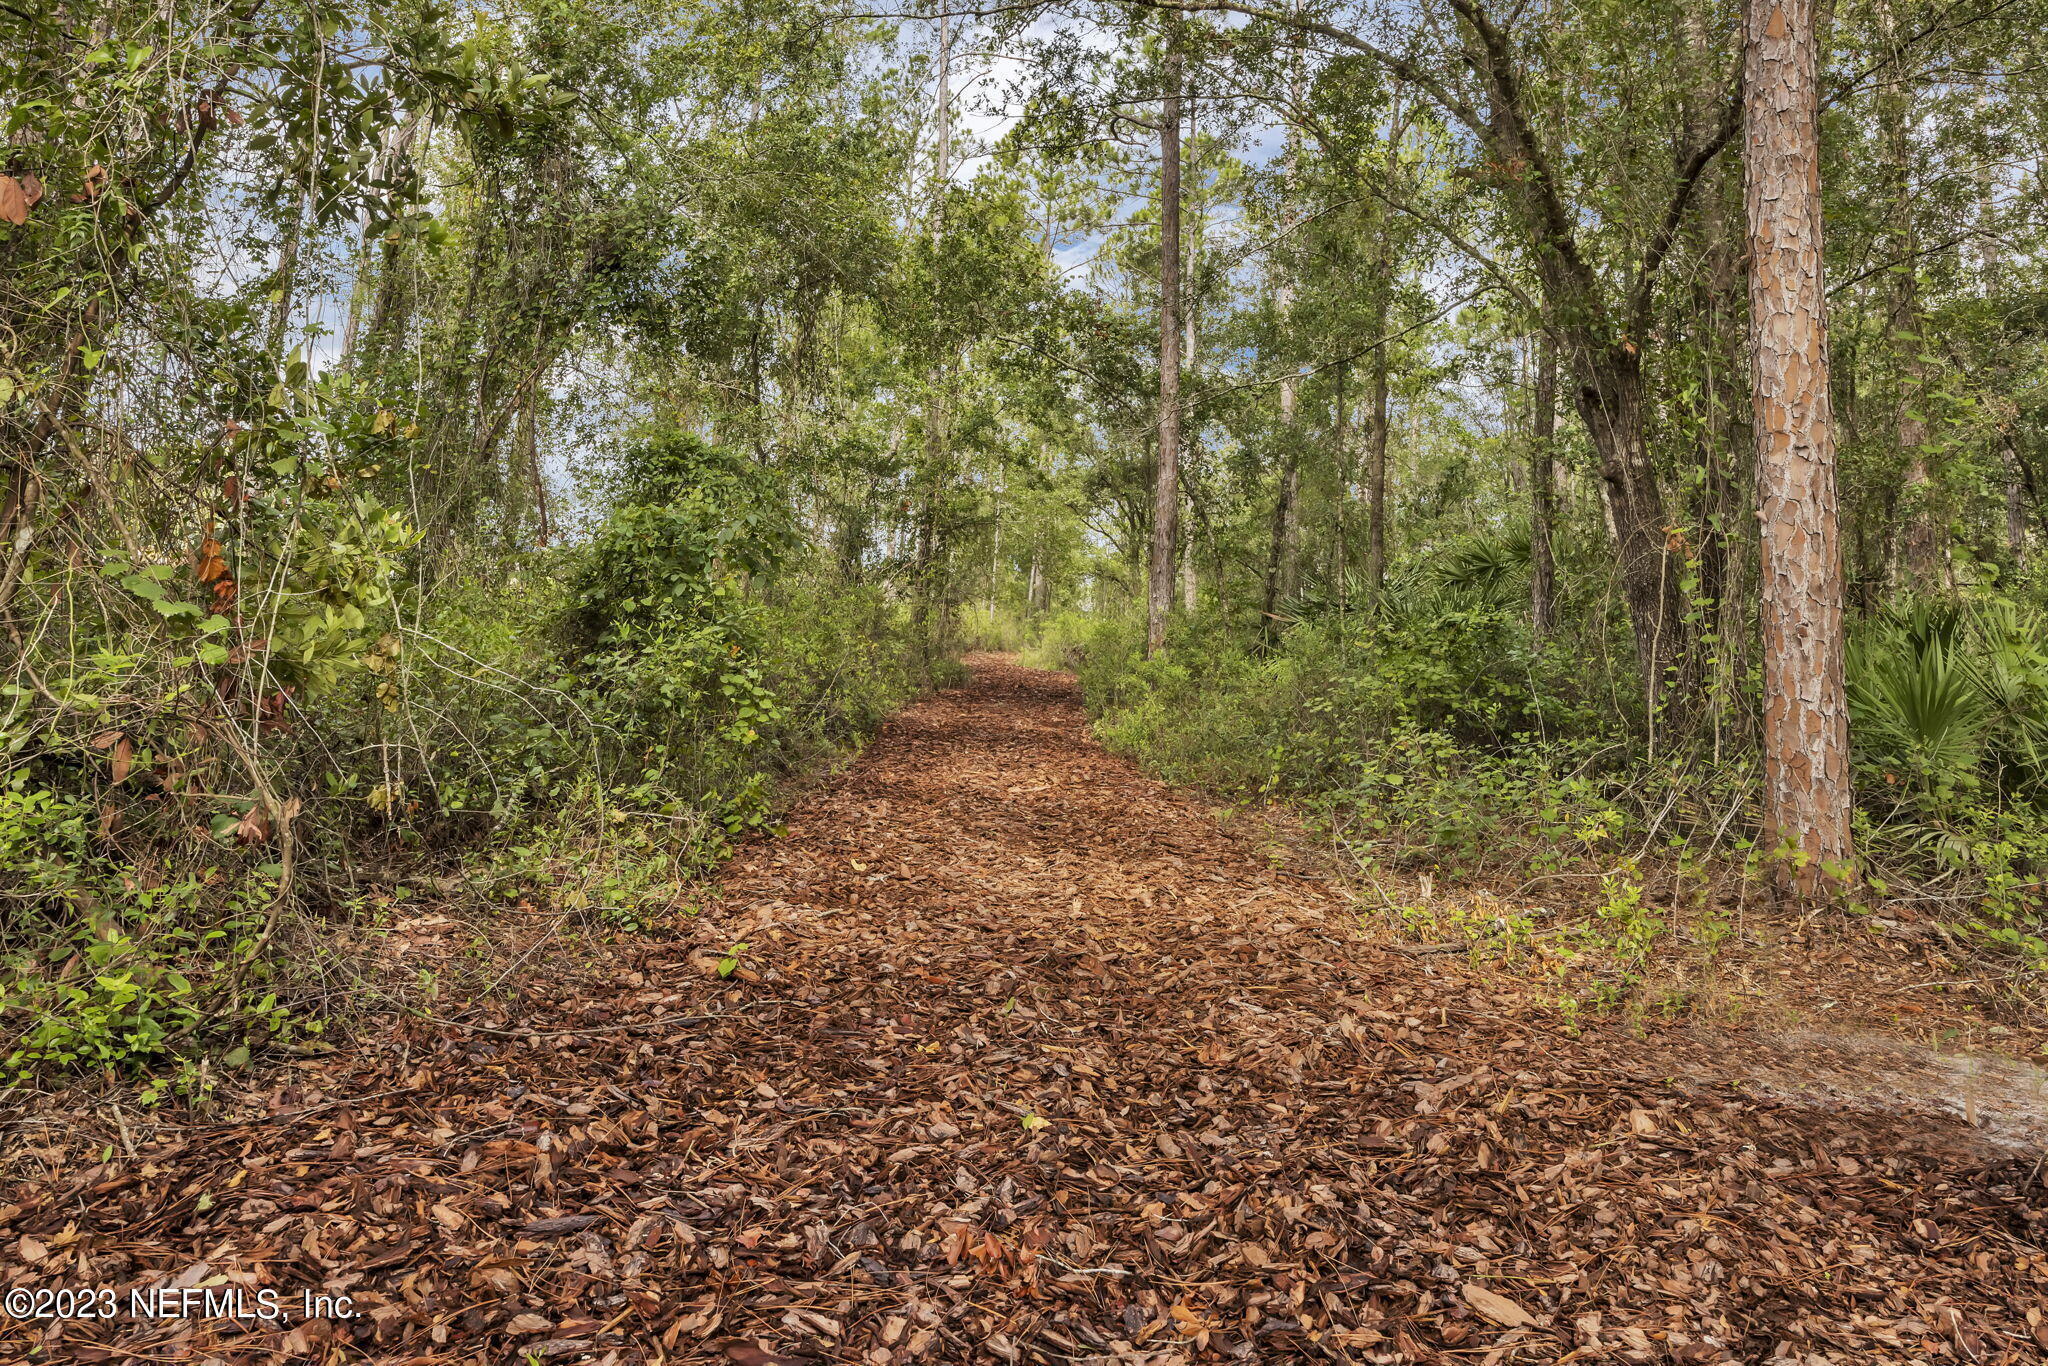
196, 805
1435, 738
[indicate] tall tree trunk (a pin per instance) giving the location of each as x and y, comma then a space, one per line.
942, 141
1990, 269
1543, 490
1166, 476
1340, 441
540, 483
1279, 556
929, 626
1612, 403
1190, 592
1917, 561
1806, 718
1285, 538
287, 280
1376, 431
1376, 467
1919, 566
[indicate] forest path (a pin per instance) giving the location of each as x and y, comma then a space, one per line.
1027, 1059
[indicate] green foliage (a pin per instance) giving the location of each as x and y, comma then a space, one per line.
114, 967
689, 524
1415, 736
1949, 723
1949, 704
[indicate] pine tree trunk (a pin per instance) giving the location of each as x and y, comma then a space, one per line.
1543, 490
1166, 476
1806, 719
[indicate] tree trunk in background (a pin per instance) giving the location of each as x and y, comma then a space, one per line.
1278, 560
1281, 571
926, 571
1190, 591
1806, 718
1726, 508
527, 441
1382, 286
287, 281
1917, 560
1613, 406
1340, 439
1376, 468
1990, 269
1166, 477
1543, 490
1279, 557
942, 138
1920, 549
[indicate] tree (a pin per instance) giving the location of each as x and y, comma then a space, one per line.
1166, 475
1543, 489
1597, 254
1806, 716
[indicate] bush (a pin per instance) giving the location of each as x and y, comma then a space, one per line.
1431, 731
592, 725
1415, 738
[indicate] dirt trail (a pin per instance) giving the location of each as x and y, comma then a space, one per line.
1038, 1064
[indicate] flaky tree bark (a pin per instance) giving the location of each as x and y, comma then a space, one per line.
1806, 719
1543, 489
1166, 477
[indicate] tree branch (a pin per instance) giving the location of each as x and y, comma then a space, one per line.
1400, 66
1689, 174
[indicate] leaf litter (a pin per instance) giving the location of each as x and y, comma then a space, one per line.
1025, 1059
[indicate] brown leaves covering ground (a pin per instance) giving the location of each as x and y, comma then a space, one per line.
1036, 1064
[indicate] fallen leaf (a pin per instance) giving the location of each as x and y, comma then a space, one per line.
1499, 1308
